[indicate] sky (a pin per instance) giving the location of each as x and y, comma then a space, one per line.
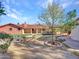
21, 11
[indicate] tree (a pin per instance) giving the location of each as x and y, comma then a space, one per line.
51, 16
70, 21
2, 10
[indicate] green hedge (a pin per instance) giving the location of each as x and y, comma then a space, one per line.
2, 36
21, 35
16, 36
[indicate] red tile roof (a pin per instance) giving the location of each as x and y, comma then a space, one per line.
32, 26
25, 26
16, 26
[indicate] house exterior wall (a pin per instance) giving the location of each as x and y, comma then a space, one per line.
27, 30
16, 29
34, 30
11, 30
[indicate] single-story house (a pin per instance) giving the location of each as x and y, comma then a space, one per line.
22, 28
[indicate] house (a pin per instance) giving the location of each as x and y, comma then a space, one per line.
22, 28
11, 29
28, 28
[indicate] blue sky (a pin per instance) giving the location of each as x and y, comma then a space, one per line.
28, 10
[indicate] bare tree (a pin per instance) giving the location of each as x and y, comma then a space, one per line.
52, 15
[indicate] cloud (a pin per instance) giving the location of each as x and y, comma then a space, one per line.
66, 4
44, 3
49, 1
9, 11
7, 7
19, 18
63, 1
17, 12
16, 16
13, 15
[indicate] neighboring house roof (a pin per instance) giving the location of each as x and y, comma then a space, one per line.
32, 26
10, 24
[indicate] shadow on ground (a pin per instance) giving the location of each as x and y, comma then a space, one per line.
19, 52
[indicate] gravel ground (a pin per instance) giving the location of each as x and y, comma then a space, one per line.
5, 56
19, 52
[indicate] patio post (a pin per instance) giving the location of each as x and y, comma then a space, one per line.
22, 31
31, 31
36, 30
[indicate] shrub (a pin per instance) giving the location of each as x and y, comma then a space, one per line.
5, 46
18, 36
2, 36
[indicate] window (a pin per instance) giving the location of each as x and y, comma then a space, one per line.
33, 30
10, 29
43, 29
19, 28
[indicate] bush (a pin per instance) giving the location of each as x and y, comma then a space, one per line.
18, 36
2, 36
5, 46
21, 35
